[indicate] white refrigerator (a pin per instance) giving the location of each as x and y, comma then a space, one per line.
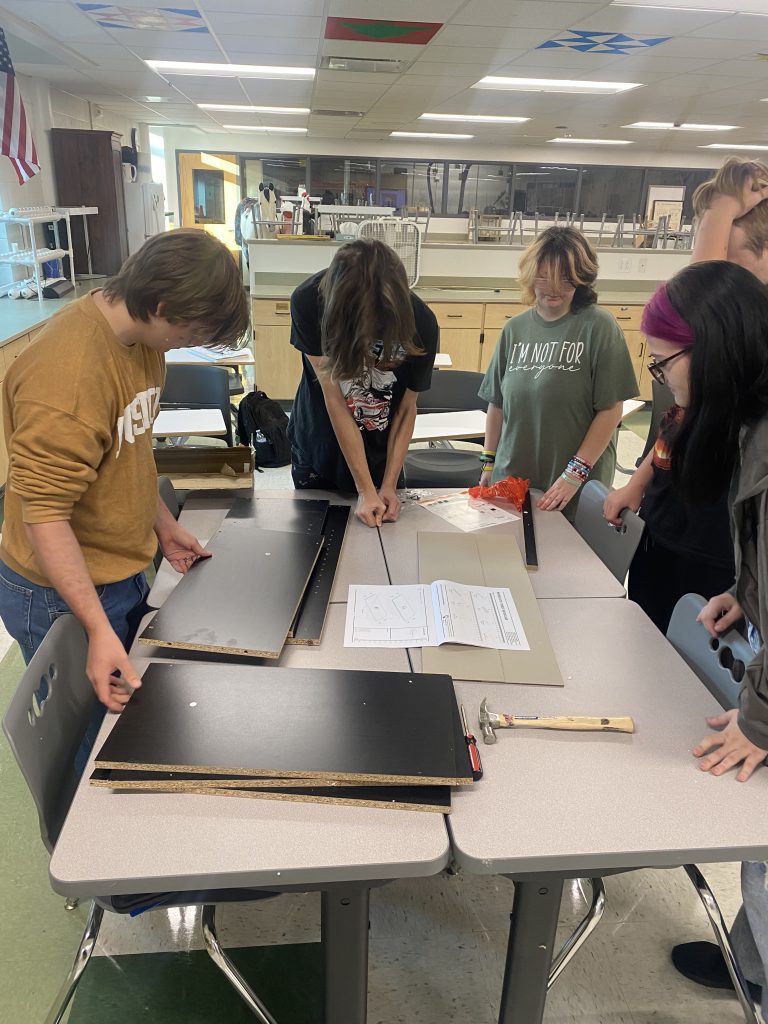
144, 212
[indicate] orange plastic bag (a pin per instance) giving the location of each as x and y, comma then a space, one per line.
514, 489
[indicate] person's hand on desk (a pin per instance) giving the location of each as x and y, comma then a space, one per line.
106, 658
181, 548
721, 751
485, 478
557, 497
389, 496
370, 508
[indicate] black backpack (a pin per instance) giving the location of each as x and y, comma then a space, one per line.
262, 423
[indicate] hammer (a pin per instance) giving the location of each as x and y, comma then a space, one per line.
490, 721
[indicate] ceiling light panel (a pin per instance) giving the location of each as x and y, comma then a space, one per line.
429, 135
684, 126
242, 109
740, 146
594, 142
700, 6
475, 118
565, 85
190, 67
264, 128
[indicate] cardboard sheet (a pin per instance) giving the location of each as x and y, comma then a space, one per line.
488, 561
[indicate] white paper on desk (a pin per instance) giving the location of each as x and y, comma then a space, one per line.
424, 615
205, 355
390, 617
467, 513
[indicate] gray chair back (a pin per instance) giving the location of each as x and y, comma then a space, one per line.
46, 720
168, 493
663, 399
452, 391
441, 467
615, 546
198, 387
719, 662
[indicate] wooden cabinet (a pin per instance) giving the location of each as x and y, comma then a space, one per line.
461, 327
277, 368
497, 314
463, 346
89, 172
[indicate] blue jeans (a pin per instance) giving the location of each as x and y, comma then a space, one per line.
749, 934
28, 611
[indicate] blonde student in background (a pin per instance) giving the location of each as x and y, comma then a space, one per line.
82, 513
558, 378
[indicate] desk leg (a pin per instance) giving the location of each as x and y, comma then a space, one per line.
529, 953
344, 922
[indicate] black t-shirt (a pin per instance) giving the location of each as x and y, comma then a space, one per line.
701, 531
372, 399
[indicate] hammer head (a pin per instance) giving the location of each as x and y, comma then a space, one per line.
486, 723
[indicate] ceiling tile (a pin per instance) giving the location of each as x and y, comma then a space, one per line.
396, 10
562, 63
648, 22
266, 26
754, 68
510, 38
178, 43
263, 7
739, 26
248, 50
525, 13
488, 55
352, 48
424, 68
718, 49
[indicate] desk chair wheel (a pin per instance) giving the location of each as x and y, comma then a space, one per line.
71, 903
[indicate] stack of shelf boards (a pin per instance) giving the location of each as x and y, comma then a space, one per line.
391, 740
212, 610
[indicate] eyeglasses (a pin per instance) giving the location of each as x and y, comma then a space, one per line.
656, 370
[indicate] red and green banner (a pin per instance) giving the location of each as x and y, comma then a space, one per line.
362, 30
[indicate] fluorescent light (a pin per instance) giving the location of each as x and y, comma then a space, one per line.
264, 128
253, 110
730, 145
479, 118
685, 126
553, 85
674, 7
428, 135
596, 142
191, 67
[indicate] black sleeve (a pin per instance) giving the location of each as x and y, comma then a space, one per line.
305, 317
420, 376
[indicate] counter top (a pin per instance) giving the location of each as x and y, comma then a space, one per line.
19, 316
613, 295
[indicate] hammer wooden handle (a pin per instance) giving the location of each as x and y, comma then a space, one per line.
571, 722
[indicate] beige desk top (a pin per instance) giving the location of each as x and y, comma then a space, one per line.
582, 802
567, 565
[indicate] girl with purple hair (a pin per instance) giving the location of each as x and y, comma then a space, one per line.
708, 334
685, 548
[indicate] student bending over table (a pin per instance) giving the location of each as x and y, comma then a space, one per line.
368, 347
82, 514
723, 440
688, 549
558, 378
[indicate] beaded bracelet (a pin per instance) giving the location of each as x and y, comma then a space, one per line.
577, 471
487, 459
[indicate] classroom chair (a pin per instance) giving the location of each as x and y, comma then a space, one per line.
663, 400
444, 466
198, 387
45, 722
615, 546
720, 664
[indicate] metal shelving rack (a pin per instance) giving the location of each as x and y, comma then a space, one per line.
33, 256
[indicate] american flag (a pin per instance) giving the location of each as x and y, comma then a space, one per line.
15, 135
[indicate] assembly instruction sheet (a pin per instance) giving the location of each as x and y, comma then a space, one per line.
428, 615
468, 514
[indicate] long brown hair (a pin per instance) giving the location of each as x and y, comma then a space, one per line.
560, 254
730, 181
366, 299
195, 278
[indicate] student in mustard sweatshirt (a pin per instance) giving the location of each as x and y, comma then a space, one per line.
82, 514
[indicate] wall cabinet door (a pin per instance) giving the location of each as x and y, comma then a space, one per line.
278, 364
463, 346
